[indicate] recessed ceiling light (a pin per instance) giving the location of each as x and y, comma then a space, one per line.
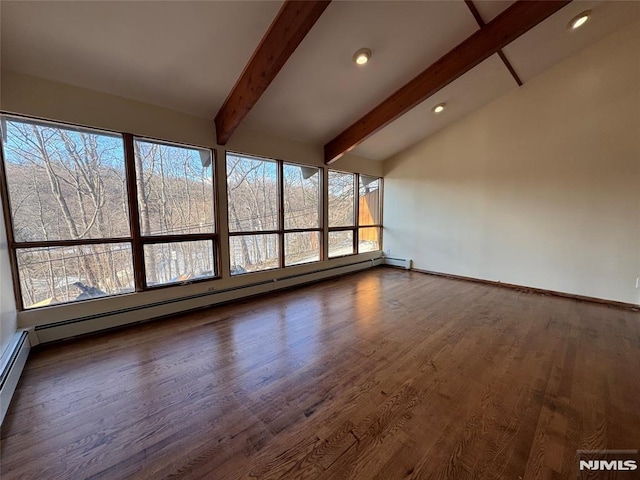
362, 56
579, 20
439, 108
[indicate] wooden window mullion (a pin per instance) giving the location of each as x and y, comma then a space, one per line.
134, 214
281, 212
356, 210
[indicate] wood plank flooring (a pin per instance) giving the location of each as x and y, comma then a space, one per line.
384, 374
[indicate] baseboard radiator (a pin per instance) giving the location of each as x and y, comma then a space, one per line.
103, 321
404, 263
13, 361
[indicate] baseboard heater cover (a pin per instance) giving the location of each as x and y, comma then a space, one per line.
94, 323
397, 262
13, 362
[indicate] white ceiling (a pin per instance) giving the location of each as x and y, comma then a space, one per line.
479, 86
545, 45
551, 41
187, 56
490, 9
320, 90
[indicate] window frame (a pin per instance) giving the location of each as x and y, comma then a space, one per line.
135, 239
319, 229
380, 209
356, 226
132, 189
281, 231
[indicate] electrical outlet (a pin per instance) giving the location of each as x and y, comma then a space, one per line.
387, 252
210, 289
638, 282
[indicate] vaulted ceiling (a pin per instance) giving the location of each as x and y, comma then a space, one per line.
187, 56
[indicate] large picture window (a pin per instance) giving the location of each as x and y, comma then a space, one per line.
174, 185
342, 218
301, 205
355, 216
73, 231
68, 208
274, 213
369, 214
93, 213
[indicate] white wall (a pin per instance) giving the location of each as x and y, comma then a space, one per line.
27, 95
539, 188
7, 303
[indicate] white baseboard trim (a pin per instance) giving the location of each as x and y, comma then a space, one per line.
95, 323
404, 263
11, 366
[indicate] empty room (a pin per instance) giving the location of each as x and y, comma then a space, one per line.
320, 239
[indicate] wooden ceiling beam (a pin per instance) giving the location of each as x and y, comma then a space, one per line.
479, 20
502, 30
288, 29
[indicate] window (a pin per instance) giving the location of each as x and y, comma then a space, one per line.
301, 205
177, 262
73, 232
252, 190
274, 213
252, 253
369, 214
341, 243
175, 189
176, 216
346, 235
68, 209
92, 213
50, 275
341, 199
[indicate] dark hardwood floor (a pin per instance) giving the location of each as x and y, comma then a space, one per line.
383, 374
